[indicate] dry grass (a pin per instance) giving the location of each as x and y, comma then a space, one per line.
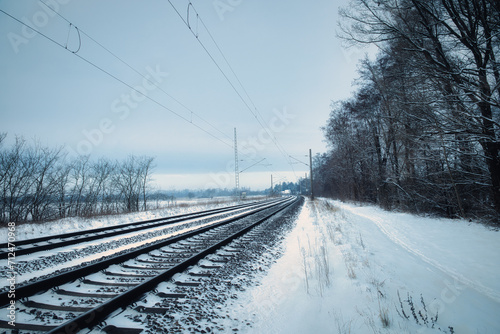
316, 265
350, 271
383, 312
330, 207
343, 326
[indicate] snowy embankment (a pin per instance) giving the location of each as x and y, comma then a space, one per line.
351, 269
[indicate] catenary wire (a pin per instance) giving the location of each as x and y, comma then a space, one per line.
117, 79
271, 136
141, 93
257, 112
137, 72
146, 78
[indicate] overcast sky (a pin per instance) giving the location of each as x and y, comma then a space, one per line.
71, 91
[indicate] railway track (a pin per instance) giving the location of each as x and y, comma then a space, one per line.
29, 246
84, 297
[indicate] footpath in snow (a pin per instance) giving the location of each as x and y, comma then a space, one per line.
352, 269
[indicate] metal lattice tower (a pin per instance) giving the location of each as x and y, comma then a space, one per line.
236, 168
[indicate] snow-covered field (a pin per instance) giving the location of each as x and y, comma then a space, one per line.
359, 269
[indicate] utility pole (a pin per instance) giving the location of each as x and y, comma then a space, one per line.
271, 185
236, 168
311, 173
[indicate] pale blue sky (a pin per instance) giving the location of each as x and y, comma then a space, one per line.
285, 53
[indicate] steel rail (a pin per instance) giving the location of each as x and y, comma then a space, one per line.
71, 275
98, 233
96, 315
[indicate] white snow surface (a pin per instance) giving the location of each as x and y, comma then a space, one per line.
72, 224
34, 230
344, 266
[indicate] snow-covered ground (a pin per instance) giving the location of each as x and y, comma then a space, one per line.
71, 224
359, 269
344, 268
41, 264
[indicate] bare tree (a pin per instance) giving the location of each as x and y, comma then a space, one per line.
79, 179
39, 183
146, 166
132, 180
102, 172
15, 182
44, 181
454, 45
62, 178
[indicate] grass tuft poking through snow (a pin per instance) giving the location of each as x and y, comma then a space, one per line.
420, 314
316, 264
384, 316
343, 326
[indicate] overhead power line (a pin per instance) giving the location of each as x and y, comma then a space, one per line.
253, 111
139, 73
115, 77
186, 119
187, 22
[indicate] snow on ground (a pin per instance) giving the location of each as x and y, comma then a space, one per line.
359, 269
40, 264
72, 224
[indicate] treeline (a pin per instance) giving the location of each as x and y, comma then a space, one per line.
422, 131
39, 183
172, 195
301, 187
